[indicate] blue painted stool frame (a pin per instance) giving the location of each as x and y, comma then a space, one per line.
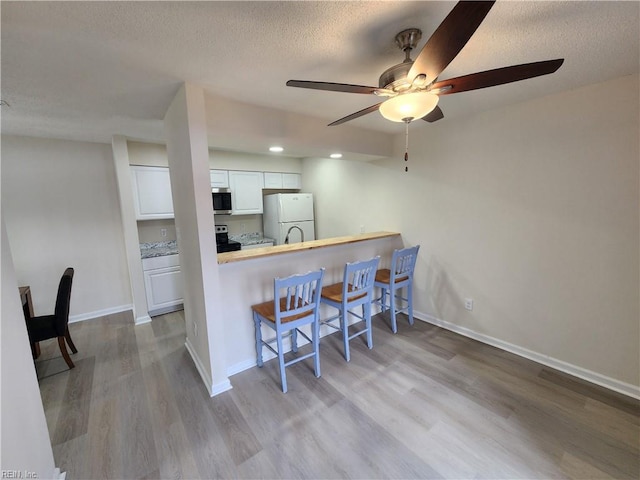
296, 303
393, 280
355, 289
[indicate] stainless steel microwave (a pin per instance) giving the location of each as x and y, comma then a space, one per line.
221, 200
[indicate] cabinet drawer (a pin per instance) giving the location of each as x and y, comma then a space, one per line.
160, 262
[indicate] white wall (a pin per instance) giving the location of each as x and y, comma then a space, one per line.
25, 436
531, 210
61, 209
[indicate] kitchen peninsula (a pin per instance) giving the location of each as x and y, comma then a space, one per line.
247, 278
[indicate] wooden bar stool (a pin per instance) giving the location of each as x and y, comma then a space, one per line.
296, 303
393, 280
355, 289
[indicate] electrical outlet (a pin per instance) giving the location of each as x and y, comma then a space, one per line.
163, 232
195, 329
243, 227
361, 228
468, 303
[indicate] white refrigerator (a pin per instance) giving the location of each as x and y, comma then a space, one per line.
289, 215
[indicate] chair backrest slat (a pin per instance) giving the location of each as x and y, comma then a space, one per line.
403, 263
359, 278
301, 293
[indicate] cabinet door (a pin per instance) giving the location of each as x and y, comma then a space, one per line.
272, 180
152, 192
163, 287
246, 192
219, 178
291, 180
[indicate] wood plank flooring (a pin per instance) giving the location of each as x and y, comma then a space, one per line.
425, 403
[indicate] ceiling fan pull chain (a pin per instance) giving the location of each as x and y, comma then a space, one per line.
406, 147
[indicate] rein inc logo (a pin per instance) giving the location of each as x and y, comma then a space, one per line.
18, 474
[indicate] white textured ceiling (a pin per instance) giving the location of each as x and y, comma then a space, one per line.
87, 70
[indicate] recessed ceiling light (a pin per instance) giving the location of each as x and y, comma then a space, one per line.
336, 155
276, 149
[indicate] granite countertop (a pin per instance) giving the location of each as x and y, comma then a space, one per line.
158, 249
254, 238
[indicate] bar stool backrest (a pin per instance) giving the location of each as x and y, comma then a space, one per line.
358, 280
299, 296
403, 264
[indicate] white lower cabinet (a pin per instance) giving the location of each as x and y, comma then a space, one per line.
163, 284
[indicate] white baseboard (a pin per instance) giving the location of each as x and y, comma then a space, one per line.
242, 366
141, 320
218, 388
99, 313
59, 475
588, 375
208, 382
199, 366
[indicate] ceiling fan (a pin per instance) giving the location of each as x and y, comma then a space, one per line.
413, 88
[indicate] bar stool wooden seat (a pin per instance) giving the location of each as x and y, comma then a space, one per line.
296, 303
393, 280
356, 289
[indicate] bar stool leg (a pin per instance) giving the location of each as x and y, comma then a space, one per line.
256, 321
392, 306
283, 376
294, 340
316, 347
344, 324
366, 314
410, 300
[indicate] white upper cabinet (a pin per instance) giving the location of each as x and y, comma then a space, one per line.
272, 180
279, 181
152, 192
246, 192
291, 180
219, 178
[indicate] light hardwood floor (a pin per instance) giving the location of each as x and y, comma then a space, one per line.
425, 403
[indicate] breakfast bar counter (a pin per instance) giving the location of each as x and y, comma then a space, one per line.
247, 278
240, 255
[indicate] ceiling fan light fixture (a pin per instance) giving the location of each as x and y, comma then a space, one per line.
408, 106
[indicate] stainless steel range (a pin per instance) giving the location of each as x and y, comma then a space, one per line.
223, 244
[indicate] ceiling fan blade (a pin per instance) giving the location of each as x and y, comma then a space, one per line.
499, 76
333, 87
433, 116
362, 112
450, 37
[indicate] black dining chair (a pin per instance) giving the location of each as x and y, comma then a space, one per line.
57, 325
